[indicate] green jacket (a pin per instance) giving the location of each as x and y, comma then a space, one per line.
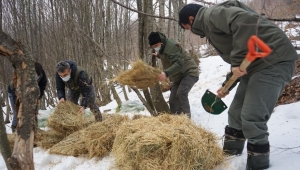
176, 62
229, 25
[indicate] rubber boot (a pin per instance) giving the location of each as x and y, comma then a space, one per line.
258, 156
98, 116
234, 141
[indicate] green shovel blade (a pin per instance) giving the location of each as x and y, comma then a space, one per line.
212, 103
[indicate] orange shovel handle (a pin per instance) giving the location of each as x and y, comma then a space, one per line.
252, 55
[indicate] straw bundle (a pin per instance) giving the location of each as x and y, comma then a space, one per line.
165, 142
99, 137
49, 139
66, 119
72, 145
95, 140
43, 139
141, 75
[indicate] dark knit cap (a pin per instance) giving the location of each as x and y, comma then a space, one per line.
187, 11
154, 38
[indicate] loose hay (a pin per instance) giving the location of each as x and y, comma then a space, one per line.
65, 118
165, 142
72, 145
49, 139
99, 137
95, 140
140, 75
43, 139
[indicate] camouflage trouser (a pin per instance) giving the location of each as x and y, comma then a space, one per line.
74, 97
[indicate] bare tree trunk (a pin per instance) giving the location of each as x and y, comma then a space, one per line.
125, 93
27, 91
169, 21
152, 112
7, 106
115, 94
4, 144
162, 14
160, 104
1, 15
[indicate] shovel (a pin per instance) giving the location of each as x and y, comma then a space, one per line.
211, 102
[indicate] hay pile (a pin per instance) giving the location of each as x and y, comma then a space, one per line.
43, 139
165, 142
66, 120
72, 145
99, 137
140, 75
49, 139
95, 140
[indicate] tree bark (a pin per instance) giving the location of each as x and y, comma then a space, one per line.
7, 106
4, 144
159, 102
115, 94
125, 93
145, 103
27, 91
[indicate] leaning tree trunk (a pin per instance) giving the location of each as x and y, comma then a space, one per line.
27, 91
5, 96
159, 102
4, 144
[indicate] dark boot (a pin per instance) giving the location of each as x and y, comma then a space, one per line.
234, 141
13, 128
98, 116
258, 156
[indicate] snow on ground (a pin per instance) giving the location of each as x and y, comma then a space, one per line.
283, 127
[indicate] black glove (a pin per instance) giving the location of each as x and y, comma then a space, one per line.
227, 78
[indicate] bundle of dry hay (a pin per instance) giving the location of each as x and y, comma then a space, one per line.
65, 119
43, 139
95, 140
49, 139
140, 75
165, 142
72, 145
99, 137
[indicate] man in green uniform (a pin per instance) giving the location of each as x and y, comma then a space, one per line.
227, 27
179, 67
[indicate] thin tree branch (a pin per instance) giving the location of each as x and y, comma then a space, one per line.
204, 2
150, 15
285, 19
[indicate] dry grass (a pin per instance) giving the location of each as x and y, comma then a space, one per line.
165, 142
140, 75
65, 119
49, 139
72, 145
95, 140
43, 139
99, 137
